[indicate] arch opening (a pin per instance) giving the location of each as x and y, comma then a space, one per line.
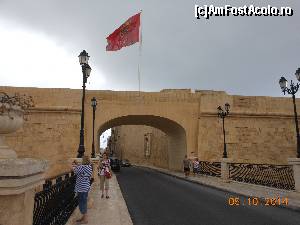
175, 133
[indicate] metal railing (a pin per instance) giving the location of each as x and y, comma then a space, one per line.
278, 176
210, 168
56, 202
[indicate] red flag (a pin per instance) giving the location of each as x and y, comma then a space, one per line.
127, 34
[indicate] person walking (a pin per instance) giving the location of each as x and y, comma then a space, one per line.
196, 164
104, 171
83, 174
186, 166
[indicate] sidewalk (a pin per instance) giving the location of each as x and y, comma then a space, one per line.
248, 190
112, 211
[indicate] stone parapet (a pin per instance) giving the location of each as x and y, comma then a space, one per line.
18, 180
21, 167
20, 175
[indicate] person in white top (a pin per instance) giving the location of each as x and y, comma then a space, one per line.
104, 171
196, 164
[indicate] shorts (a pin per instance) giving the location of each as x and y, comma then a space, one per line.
195, 170
104, 183
186, 169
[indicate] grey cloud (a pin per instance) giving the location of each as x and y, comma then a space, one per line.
241, 55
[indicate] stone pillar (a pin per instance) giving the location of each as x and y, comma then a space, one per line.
225, 169
295, 162
18, 180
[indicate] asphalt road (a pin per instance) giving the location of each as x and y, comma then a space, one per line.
154, 198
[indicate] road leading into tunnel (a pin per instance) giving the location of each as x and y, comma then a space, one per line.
154, 198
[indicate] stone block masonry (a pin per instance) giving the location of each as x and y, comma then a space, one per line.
131, 145
258, 129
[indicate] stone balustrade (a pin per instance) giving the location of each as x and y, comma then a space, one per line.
18, 177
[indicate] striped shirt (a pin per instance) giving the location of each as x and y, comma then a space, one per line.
196, 164
84, 173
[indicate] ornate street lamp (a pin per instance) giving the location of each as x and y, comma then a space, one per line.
222, 114
292, 91
86, 71
94, 106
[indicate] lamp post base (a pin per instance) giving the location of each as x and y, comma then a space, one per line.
225, 151
225, 169
93, 151
81, 151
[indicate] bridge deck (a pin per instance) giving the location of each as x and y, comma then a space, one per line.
245, 189
115, 211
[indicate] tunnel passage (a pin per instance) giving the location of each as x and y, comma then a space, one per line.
176, 134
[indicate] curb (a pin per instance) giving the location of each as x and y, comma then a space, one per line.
291, 207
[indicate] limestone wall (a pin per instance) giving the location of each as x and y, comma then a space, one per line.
51, 129
258, 129
256, 140
51, 136
131, 144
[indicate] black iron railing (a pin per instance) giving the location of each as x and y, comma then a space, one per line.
210, 168
56, 202
278, 176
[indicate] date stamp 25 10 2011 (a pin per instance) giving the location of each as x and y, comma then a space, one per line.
255, 201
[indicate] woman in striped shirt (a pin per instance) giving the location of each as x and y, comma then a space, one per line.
83, 175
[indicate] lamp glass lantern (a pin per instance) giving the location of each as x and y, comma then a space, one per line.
220, 110
227, 107
283, 83
83, 57
87, 70
94, 102
298, 74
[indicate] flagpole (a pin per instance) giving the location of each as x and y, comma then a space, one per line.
140, 54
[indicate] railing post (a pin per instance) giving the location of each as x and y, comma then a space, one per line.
295, 162
18, 179
225, 169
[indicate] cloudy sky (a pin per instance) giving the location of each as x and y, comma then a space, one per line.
41, 39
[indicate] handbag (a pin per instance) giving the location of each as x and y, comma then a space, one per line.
107, 174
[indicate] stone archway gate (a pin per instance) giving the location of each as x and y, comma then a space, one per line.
259, 129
